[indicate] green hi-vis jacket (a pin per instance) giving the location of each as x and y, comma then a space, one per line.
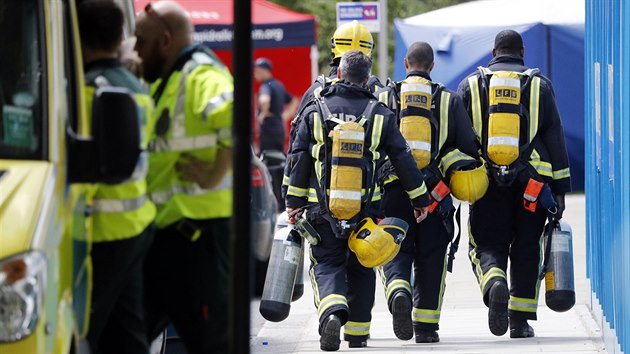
121, 211
193, 115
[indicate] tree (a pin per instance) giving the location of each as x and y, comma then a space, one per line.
325, 14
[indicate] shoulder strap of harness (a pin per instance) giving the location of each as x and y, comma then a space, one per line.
374, 84
370, 110
322, 197
323, 81
526, 150
436, 155
395, 90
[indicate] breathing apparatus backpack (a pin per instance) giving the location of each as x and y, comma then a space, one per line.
415, 117
345, 167
508, 119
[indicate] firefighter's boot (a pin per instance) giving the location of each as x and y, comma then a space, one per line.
498, 297
401, 313
520, 329
329, 340
427, 336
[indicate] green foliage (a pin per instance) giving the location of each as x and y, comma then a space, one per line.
325, 12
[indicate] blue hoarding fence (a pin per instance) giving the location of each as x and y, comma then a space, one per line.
607, 165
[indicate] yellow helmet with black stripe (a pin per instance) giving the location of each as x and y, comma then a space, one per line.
376, 245
351, 36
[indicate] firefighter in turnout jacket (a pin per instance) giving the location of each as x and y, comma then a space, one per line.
347, 119
515, 117
347, 37
434, 122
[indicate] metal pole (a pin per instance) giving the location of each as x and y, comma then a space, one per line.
240, 287
383, 53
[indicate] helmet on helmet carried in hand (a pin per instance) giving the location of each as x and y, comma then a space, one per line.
470, 182
376, 245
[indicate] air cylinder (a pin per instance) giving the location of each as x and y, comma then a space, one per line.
286, 255
559, 278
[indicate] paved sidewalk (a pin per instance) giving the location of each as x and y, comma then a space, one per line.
463, 322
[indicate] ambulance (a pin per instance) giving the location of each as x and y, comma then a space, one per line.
51, 150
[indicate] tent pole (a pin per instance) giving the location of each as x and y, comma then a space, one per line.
240, 240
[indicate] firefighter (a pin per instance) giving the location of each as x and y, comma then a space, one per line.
516, 120
189, 180
323, 178
122, 214
434, 123
347, 37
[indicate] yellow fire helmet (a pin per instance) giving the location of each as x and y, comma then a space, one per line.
469, 183
351, 36
376, 245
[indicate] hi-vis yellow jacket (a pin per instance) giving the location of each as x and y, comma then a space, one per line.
121, 211
308, 161
543, 130
193, 115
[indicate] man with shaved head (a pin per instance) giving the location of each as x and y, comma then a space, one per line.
189, 180
513, 109
450, 148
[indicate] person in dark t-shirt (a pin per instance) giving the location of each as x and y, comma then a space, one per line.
274, 106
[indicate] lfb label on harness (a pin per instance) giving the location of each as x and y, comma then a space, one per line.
417, 101
352, 148
506, 93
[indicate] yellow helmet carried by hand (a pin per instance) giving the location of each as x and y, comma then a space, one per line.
470, 182
376, 245
351, 36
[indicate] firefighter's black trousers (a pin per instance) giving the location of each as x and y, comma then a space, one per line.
341, 285
187, 284
425, 246
500, 228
